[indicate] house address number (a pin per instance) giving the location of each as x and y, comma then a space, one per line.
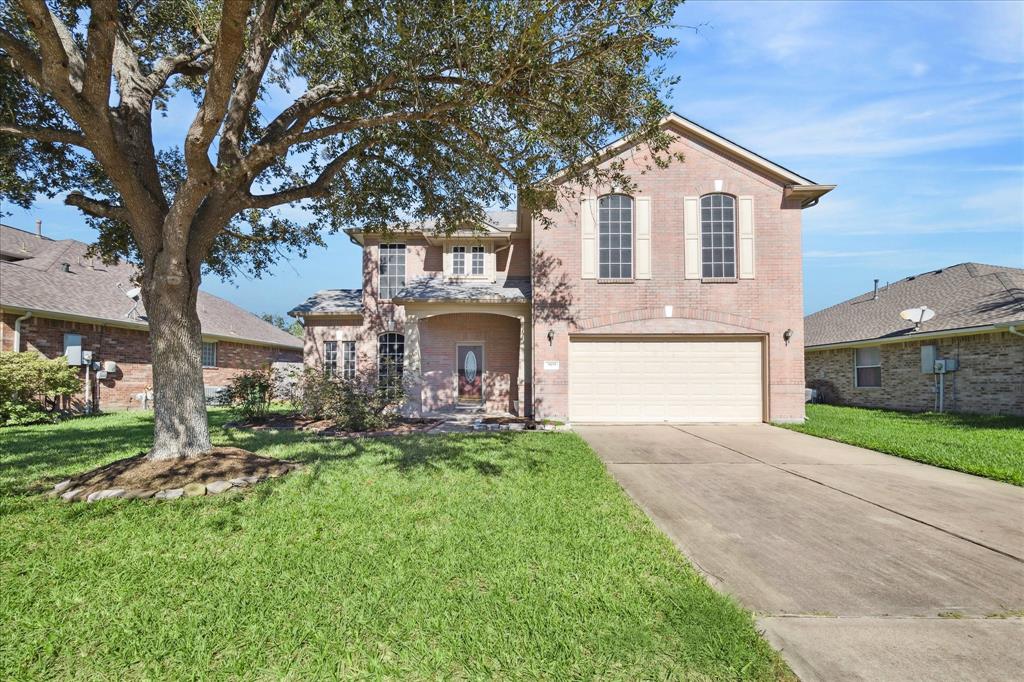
551, 364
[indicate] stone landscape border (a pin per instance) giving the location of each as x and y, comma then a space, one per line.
195, 489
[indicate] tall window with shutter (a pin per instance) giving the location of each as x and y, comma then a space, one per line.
615, 237
718, 236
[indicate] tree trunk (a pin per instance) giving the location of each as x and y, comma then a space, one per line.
179, 401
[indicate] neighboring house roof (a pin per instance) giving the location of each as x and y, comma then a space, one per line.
964, 296
94, 291
331, 302
430, 289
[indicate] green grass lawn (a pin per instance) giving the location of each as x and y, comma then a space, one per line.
473, 556
988, 446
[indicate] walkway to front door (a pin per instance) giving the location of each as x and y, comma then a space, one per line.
860, 566
470, 371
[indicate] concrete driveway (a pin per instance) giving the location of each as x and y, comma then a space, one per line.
859, 565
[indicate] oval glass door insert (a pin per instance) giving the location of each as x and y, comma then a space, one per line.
470, 366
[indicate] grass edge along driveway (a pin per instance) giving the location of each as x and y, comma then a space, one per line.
494, 555
984, 445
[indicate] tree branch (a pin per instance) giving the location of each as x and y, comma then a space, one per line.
24, 57
226, 54
62, 64
97, 207
39, 134
321, 184
103, 29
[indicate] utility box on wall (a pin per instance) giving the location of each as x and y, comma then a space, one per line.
929, 354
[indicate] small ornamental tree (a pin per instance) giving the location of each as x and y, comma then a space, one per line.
372, 113
28, 380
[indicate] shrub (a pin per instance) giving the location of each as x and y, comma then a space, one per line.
249, 394
360, 403
33, 388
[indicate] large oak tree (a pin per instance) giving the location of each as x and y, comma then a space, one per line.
368, 113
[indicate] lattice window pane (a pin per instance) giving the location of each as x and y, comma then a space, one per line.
615, 237
390, 356
459, 260
209, 354
330, 357
718, 235
348, 349
478, 260
392, 269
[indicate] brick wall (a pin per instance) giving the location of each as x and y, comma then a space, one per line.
990, 379
768, 304
129, 348
499, 336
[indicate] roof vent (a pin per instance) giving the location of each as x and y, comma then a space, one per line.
65, 267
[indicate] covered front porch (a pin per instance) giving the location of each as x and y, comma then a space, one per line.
469, 356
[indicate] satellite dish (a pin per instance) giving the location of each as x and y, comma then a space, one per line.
133, 293
918, 315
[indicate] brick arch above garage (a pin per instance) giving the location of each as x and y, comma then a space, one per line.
652, 320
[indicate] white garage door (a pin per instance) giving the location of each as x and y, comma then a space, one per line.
665, 379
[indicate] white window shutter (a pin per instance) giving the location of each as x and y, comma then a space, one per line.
446, 260
745, 230
643, 237
588, 238
691, 237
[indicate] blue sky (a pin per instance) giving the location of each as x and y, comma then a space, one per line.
915, 109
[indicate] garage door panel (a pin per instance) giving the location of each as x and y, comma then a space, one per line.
665, 379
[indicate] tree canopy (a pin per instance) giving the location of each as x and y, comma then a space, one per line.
369, 113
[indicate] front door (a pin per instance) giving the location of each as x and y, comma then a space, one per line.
471, 369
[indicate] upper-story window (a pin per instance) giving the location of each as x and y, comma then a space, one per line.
473, 266
718, 235
458, 260
392, 269
615, 235
477, 260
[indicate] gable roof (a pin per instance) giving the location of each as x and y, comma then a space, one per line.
796, 185
964, 296
331, 302
495, 224
91, 290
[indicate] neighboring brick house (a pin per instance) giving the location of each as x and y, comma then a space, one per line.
861, 352
678, 302
56, 300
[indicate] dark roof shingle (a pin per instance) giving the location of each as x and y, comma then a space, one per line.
962, 296
91, 290
438, 289
331, 302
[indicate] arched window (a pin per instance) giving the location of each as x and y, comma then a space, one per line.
718, 235
615, 235
390, 356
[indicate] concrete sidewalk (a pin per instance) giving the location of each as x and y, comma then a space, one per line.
859, 565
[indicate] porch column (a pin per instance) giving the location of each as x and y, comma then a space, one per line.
521, 389
412, 368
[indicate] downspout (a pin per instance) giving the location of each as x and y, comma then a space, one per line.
17, 331
1013, 330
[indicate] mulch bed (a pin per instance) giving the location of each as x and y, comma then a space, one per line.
324, 427
215, 471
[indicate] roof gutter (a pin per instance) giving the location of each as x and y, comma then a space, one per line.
1013, 330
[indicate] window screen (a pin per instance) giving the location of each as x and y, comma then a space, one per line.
868, 367
615, 228
718, 235
209, 354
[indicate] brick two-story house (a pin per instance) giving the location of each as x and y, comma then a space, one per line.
679, 302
